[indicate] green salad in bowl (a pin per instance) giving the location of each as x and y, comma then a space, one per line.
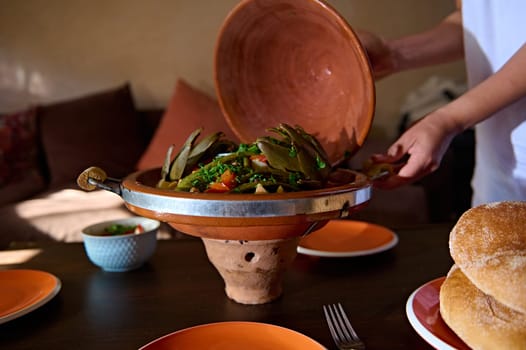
120, 229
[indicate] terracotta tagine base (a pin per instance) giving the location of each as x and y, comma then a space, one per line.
251, 239
252, 270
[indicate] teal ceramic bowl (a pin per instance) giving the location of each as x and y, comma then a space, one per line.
121, 252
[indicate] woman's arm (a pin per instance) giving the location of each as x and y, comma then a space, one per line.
427, 140
440, 44
496, 92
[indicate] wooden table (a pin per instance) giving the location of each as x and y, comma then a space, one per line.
179, 288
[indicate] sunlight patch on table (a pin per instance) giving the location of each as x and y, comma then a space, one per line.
19, 256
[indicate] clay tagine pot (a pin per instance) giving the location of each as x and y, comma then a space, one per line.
251, 239
277, 61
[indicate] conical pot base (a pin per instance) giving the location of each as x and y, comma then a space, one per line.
252, 270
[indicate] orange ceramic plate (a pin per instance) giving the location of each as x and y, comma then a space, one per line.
423, 312
347, 238
22, 291
234, 336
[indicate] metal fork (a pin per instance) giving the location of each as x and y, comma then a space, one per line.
341, 329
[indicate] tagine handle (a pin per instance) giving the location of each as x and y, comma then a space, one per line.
95, 178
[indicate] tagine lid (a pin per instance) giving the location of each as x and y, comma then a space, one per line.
294, 62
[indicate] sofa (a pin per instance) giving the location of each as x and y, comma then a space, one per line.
44, 148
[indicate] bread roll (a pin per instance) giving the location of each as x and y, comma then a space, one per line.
488, 244
478, 319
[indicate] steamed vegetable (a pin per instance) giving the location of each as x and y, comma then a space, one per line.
293, 160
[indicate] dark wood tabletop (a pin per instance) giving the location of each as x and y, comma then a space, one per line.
179, 288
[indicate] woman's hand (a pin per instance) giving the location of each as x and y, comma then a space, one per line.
418, 152
381, 57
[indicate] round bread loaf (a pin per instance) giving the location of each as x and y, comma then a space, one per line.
478, 319
488, 244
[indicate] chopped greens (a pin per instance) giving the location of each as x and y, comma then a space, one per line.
292, 161
118, 229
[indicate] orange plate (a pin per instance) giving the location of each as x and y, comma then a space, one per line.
233, 336
23, 291
423, 312
347, 238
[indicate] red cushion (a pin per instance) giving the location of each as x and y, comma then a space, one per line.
188, 110
20, 170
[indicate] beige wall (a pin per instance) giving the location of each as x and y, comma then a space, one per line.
56, 49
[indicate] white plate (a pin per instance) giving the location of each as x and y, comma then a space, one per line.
423, 313
347, 238
22, 291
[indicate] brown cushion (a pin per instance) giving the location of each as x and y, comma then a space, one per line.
188, 109
20, 171
101, 129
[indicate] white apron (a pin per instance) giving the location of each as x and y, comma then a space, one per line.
494, 31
